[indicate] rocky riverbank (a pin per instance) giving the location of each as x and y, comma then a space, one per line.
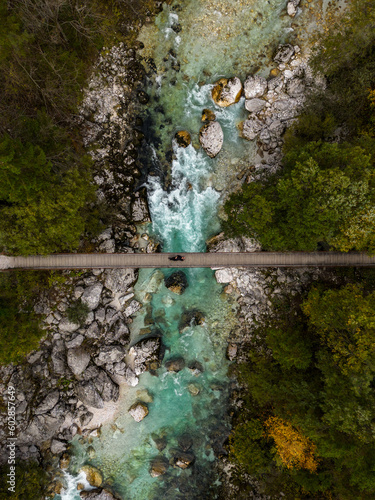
72, 384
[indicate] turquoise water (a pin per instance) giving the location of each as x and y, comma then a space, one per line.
124, 453
184, 185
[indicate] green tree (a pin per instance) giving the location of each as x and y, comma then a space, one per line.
41, 211
328, 396
323, 188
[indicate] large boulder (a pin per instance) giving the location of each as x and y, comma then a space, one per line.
146, 354
68, 326
110, 354
119, 280
78, 359
227, 92
138, 411
176, 282
291, 7
183, 138
255, 86
295, 87
97, 494
211, 138
57, 446
91, 296
190, 319
183, 459
93, 475
251, 128
49, 402
255, 105
107, 388
208, 115
89, 395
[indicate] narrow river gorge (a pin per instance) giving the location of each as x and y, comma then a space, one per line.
191, 45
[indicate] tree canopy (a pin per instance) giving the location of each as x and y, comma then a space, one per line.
310, 394
323, 197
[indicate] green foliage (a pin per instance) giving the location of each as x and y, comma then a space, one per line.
42, 211
19, 325
324, 197
31, 481
314, 367
323, 188
77, 312
346, 56
249, 449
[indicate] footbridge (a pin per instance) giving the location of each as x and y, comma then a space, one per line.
214, 260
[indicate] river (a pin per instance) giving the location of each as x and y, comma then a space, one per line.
191, 45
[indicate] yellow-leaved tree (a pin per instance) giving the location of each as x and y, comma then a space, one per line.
295, 450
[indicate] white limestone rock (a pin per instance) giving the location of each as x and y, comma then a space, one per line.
227, 91
224, 275
138, 411
251, 128
119, 280
255, 86
255, 105
211, 138
291, 7
91, 296
284, 53
132, 308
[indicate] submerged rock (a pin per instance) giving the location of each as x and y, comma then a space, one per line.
211, 138
227, 92
176, 282
138, 411
194, 389
93, 475
160, 441
97, 495
159, 466
196, 367
175, 364
183, 459
254, 86
185, 442
208, 115
191, 318
183, 138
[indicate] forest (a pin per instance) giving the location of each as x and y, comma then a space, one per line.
47, 196
306, 426
323, 197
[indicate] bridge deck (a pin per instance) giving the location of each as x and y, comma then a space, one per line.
228, 259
